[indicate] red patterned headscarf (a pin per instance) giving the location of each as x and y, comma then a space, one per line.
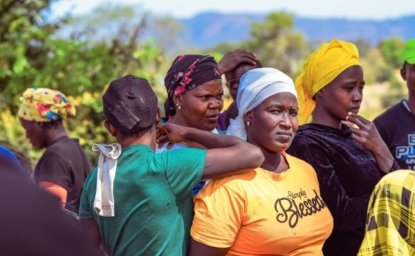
186, 73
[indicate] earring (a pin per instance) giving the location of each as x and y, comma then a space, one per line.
178, 107
248, 123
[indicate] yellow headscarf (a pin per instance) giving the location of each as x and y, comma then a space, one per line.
45, 105
320, 68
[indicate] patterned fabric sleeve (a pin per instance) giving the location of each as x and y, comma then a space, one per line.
390, 227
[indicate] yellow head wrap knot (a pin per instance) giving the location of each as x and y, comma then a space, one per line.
320, 68
45, 105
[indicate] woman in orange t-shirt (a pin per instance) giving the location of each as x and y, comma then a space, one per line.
272, 210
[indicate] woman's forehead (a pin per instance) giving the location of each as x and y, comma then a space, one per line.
281, 98
210, 86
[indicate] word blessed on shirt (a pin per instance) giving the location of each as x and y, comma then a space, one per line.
288, 210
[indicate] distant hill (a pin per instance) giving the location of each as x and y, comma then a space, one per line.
211, 28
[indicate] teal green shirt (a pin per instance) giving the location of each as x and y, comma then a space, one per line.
153, 201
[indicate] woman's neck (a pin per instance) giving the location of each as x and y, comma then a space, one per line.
54, 133
323, 118
177, 119
147, 138
274, 161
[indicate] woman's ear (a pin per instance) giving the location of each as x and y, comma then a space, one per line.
248, 118
318, 95
110, 128
178, 102
178, 99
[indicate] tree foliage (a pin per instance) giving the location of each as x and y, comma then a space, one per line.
277, 43
392, 49
80, 55
376, 69
22, 37
32, 56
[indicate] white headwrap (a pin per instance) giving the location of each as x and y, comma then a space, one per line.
255, 86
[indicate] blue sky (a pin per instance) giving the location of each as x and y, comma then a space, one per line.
355, 9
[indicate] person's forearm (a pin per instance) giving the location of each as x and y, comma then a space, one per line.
209, 139
55, 190
384, 159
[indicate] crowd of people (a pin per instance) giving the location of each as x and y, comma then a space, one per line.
289, 168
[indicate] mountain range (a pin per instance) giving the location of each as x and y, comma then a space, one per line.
208, 29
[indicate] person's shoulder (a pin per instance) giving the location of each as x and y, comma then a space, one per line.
179, 160
295, 162
62, 147
50, 154
307, 135
93, 173
399, 177
308, 130
180, 150
234, 181
91, 178
65, 151
301, 167
168, 147
390, 113
63, 142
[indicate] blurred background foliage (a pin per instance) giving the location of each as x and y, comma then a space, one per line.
81, 55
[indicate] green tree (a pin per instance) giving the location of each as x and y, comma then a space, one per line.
396, 92
392, 51
277, 44
31, 55
363, 46
375, 68
23, 32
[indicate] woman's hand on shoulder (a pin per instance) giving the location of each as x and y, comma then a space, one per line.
170, 133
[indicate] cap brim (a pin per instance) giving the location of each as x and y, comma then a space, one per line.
411, 60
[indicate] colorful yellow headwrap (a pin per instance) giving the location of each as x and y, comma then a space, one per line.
320, 68
45, 105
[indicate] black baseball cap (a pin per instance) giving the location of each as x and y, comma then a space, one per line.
130, 104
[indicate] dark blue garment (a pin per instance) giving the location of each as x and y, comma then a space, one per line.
198, 187
396, 126
9, 162
347, 175
9, 155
